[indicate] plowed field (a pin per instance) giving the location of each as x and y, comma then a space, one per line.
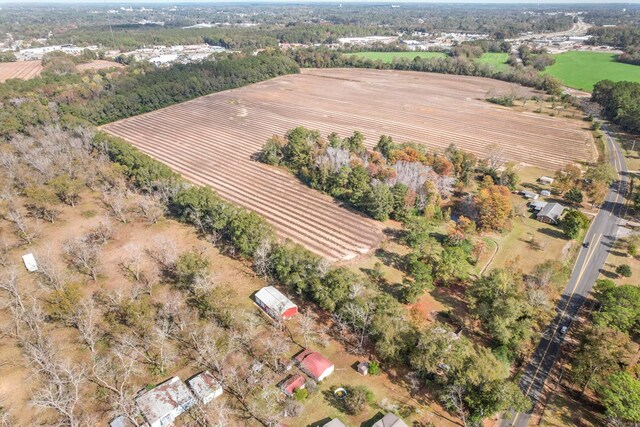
212, 140
19, 70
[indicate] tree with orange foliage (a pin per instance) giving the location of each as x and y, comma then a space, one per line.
494, 207
442, 166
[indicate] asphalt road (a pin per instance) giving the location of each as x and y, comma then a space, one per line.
601, 235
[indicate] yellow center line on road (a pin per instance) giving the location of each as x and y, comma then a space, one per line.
590, 253
617, 163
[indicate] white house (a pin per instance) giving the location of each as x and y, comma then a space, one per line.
161, 405
205, 387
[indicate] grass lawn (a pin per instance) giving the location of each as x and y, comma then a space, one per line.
498, 60
581, 70
390, 56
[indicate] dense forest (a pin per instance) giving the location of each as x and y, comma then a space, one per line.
620, 103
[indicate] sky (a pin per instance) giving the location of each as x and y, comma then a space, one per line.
137, 2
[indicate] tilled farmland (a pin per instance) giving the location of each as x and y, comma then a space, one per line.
213, 140
19, 70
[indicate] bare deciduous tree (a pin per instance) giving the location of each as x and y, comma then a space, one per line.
495, 157
151, 208
310, 330
83, 254
165, 252
101, 233
261, 258
26, 231
117, 202
50, 275
454, 398
85, 321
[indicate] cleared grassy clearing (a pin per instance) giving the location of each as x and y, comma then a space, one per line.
582, 70
497, 59
390, 56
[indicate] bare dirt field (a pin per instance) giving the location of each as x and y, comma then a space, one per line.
212, 140
19, 70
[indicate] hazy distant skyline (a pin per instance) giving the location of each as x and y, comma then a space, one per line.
165, 2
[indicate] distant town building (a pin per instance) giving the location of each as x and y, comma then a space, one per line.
314, 364
275, 304
161, 405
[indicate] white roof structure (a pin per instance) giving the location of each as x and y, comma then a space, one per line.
164, 403
30, 262
204, 387
274, 301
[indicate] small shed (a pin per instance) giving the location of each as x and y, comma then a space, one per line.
275, 304
545, 193
292, 383
314, 364
30, 262
363, 368
550, 213
334, 423
546, 180
390, 420
161, 405
529, 194
205, 387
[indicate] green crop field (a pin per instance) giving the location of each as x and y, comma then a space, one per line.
389, 56
498, 60
581, 70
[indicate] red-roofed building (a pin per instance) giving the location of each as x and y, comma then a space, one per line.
275, 304
314, 364
292, 383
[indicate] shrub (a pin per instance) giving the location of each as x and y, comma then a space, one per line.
300, 394
357, 399
374, 368
623, 270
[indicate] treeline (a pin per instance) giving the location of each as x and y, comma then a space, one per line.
111, 94
128, 38
624, 37
620, 103
436, 355
393, 180
139, 93
621, 37
606, 362
527, 76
